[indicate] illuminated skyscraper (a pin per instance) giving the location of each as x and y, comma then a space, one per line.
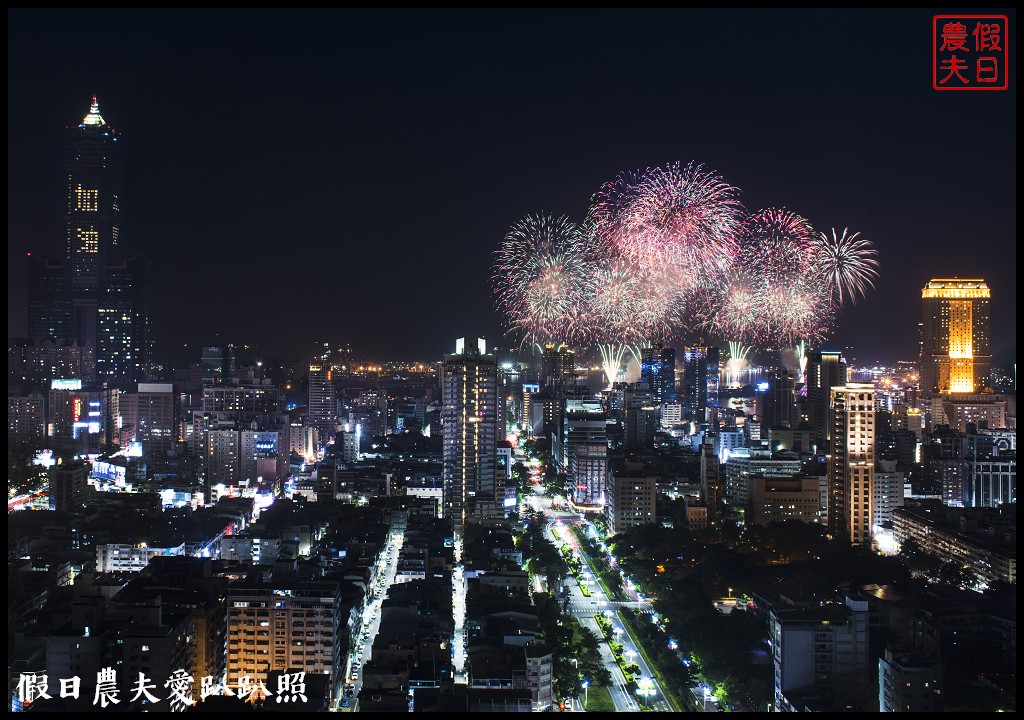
851, 463
124, 333
322, 405
700, 373
97, 298
469, 418
92, 161
658, 370
955, 354
826, 369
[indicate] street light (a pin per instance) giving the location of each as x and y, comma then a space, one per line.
706, 694
586, 693
645, 688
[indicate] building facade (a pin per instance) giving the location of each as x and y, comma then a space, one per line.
826, 369
823, 648
557, 365
470, 423
851, 463
658, 370
776, 499
710, 481
955, 353
290, 625
700, 368
631, 498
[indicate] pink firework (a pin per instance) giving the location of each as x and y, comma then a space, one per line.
778, 245
543, 273
685, 218
693, 215
771, 296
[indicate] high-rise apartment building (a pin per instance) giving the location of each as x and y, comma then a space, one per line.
67, 486
557, 365
39, 361
322, 406
49, 303
826, 369
890, 490
149, 417
631, 497
583, 422
469, 419
955, 353
26, 420
909, 684
284, 625
220, 462
640, 417
124, 333
851, 463
821, 650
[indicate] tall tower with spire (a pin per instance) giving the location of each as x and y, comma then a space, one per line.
92, 163
98, 298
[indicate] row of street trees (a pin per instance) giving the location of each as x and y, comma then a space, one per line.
574, 648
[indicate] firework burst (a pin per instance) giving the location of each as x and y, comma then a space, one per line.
611, 210
777, 247
771, 296
695, 214
682, 219
543, 271
846, 264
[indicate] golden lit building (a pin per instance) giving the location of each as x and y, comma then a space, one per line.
955, 354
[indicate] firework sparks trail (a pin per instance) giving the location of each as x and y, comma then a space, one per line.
611, 361
801, 356
736, 364
846, 264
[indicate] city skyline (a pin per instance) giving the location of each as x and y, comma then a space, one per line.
445, 162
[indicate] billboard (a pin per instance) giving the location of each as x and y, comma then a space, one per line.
109, 472
65, 384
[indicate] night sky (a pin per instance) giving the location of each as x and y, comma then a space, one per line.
345, 176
